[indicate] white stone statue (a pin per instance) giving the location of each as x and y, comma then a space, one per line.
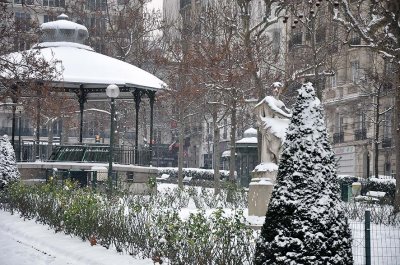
273, 118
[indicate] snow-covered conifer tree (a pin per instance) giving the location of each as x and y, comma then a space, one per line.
305, 223
8, 166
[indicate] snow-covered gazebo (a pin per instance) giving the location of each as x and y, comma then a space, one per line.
87, 73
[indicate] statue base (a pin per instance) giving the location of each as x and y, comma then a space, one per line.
260, 192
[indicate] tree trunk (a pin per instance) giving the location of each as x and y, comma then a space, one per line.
216, 151
232, 161
50, 137
397, 140
376, 140
253, 70
180, 154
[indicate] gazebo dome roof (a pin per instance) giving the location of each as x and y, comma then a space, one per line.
251, 132
249, 137
81, 65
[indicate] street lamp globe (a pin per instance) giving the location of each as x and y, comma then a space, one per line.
112, 91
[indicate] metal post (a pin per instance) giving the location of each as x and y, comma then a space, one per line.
37, 150
82, 98
19, 136
94, 180
151, 97
367, 226
110, 159
14, 108
137, 97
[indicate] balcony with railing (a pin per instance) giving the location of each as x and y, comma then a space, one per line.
386, 142
360, 134
338, 137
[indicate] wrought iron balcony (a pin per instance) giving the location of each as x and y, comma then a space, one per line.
360, 134
338, 137
386, 142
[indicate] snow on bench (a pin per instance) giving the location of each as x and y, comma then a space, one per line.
376, 194
163, 177
187, 179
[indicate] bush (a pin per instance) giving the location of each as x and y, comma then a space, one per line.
385, 185
194, 173
8, 165
144, 226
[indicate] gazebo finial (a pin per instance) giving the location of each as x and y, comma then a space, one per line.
63, 30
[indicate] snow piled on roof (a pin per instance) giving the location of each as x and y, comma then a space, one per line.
62, 24
81, 65
247, 140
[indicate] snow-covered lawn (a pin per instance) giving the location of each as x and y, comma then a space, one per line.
26, 243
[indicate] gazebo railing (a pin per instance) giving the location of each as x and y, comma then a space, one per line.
83, 153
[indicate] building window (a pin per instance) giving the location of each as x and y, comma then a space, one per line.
54, 3
157, 136
387, 129
388, 168
96, 25
338, 136
22, 21
225, 132
333, 80
23, 2
276, 41
321, 34
296, 39
96, 5
360, 132
355, 70
354, 39
48, 18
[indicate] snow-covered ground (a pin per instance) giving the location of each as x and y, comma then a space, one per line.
26, 243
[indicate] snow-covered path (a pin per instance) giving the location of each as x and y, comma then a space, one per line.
25, 242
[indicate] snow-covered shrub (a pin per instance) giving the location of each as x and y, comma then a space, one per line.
305, 222
8, 165
217, 239
196, 174
142, 226
386, 185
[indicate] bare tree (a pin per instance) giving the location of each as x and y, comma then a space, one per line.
24, 75
378, 25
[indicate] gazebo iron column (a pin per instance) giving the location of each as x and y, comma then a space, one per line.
82, 99
151, 95
14, 122
38, 128
137, 95
14, 98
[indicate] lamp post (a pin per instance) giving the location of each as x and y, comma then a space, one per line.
112, 92
19, 109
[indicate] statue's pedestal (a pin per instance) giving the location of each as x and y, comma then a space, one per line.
260, 191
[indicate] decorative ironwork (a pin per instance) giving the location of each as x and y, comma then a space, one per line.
338, 137
386, 142
360, 134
